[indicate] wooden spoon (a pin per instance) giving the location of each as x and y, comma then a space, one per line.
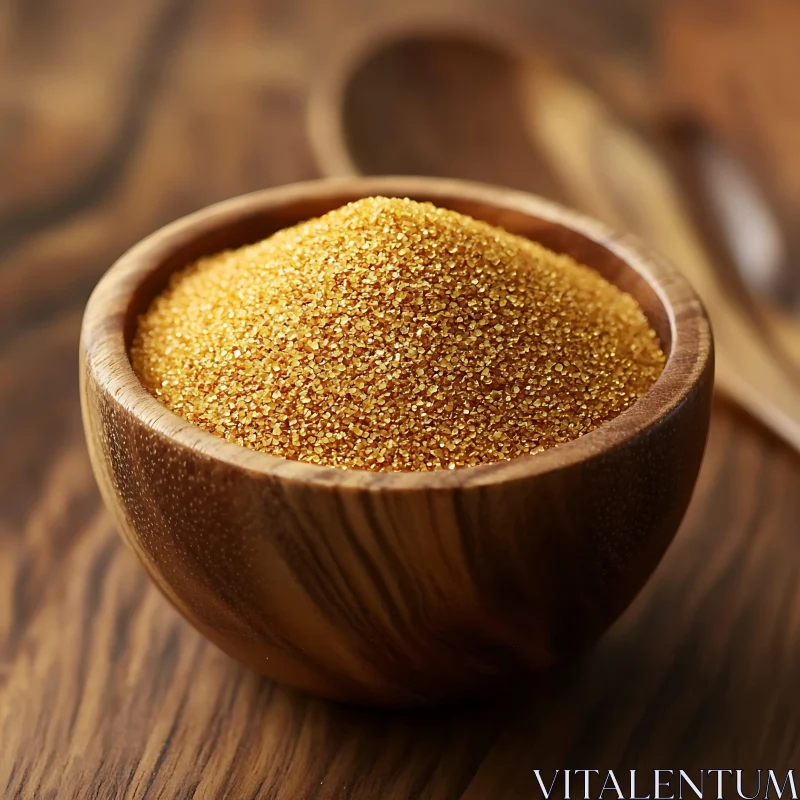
479, 105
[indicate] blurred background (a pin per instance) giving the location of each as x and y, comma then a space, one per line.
117, 117
678, 120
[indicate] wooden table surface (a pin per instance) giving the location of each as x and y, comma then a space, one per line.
116, 118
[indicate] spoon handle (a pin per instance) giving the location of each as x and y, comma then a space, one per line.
759, 251
613, 173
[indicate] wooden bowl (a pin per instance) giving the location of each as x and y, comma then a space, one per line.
396, 588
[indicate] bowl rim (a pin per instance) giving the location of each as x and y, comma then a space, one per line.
105, 357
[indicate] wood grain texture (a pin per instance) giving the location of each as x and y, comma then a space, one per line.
396, 588
105, 692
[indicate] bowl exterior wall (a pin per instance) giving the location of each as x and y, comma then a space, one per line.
396, 597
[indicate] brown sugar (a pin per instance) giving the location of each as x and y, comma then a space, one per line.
395, 335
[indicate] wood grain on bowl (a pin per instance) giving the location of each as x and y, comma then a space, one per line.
403, 587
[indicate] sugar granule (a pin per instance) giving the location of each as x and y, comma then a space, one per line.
395, 335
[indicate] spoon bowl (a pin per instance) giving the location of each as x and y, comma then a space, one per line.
396, 588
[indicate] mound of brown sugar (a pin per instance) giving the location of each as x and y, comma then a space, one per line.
395, 335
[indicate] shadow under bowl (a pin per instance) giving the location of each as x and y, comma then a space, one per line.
396, 588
